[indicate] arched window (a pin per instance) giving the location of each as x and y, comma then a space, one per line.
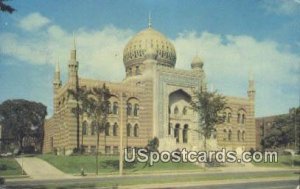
229, 135
136, 130
115, 108
243, 118
169, 128
136, 110
129, 109
128, 129
84, 128
176, 132
93, 127
130, 71
184, 111
224, 116
243, 136
176, 110
185, 134
108, 108
229, 117
137, 70
224, 134
115, 129
238, 117
239, 135
107, 127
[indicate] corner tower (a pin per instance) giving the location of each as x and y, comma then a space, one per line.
73, 67
56, 86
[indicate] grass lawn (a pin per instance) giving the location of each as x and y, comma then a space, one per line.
283, 161
109, 164
9, 166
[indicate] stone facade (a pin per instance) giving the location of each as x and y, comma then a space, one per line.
154, 97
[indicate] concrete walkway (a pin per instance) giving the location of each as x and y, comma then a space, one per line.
37, 168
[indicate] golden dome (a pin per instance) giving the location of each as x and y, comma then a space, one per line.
134, 52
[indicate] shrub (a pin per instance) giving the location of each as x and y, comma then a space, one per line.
2, 180
3, 167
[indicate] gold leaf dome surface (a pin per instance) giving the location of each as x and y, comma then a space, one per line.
134, 52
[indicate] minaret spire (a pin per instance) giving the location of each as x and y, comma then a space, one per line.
57, 81
149, 20
74, 42
57, 67
73, 50
251, 85
73, 65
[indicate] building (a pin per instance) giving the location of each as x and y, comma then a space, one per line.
155, 98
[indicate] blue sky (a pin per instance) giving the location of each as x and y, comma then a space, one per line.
232, 37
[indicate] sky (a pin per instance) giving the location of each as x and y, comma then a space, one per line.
232, 37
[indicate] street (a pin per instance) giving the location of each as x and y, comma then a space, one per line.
285, 184
208, 180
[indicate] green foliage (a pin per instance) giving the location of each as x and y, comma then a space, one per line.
209, 106
93, 102
282, 131
22, 119
5, 7
153, 145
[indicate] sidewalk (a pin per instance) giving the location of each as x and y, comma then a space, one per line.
37, 168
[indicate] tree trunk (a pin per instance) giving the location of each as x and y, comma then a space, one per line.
205, 151
97, 151
21, 143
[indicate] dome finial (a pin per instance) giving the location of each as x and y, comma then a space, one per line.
149, 20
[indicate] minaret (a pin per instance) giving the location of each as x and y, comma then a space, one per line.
251, 87
250, 115
73, 67
197, 68
56, 86
56, 80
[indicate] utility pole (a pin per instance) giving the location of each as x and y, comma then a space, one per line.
295, 142
121, 134
295, 125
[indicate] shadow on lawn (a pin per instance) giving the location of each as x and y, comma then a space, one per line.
290, 162
114, 164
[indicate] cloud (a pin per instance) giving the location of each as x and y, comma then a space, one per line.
33, 21
227, 59
287, 7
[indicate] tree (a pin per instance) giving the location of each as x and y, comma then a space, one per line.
23, 120
283, 132
152, 146
208, 105
94, 103
6, 8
